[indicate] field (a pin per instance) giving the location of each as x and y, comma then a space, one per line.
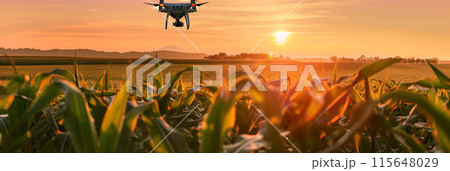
405, 72
380, 107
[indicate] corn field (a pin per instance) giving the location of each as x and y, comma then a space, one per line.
59, 112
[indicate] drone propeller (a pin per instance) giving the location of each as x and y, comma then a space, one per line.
156, 5
194, 5
161, 4
200, 4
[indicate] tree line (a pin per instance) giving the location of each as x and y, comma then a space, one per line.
361, 59
260, 56
364, 59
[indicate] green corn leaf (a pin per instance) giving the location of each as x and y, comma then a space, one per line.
373, 68
16, 83
97, 108
49, 118
337, 110
78, 120
165, 97
355, 96
159, 81
185, 100
75, 63
50, 146
441, 77
58, 144
359, 116
83, 82
6, 99
37, 131
244, 117
334, 74
218, 122
62, 141
129, 125
113, 122
99, 83
440, 115
15, 112
428, 83
380, 89
43, 100
106, 81
64, 73
180, 85
38, 82
408, 142
164, 138
105, 94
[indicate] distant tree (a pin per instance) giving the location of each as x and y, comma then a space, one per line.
334, 58
433, 60
222, 55
361, 59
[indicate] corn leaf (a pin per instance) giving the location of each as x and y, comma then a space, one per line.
129, 126
373, 68
35, 132
6, 99
165, 97
219, 121
408, 142
440, 115
113, 122
334, 74
38, 83
99, 84
441, 77
75, 63
78, 120
64, 73
164, 138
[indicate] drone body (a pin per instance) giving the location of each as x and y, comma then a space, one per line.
178, 11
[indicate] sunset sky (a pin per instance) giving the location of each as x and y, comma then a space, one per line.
317, 28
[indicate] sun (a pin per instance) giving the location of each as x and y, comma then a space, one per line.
281, 37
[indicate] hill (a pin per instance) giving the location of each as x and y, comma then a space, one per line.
164, 54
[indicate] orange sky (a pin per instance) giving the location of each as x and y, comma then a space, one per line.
317, 28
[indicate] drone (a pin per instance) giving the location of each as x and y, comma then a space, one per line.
178, 11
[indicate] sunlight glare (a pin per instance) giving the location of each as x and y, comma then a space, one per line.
281, 37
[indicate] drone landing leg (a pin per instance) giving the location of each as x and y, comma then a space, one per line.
167, 20
188, 23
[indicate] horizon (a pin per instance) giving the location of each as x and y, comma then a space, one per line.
315, 29
229, 54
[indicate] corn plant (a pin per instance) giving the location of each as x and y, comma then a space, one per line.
60, 111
